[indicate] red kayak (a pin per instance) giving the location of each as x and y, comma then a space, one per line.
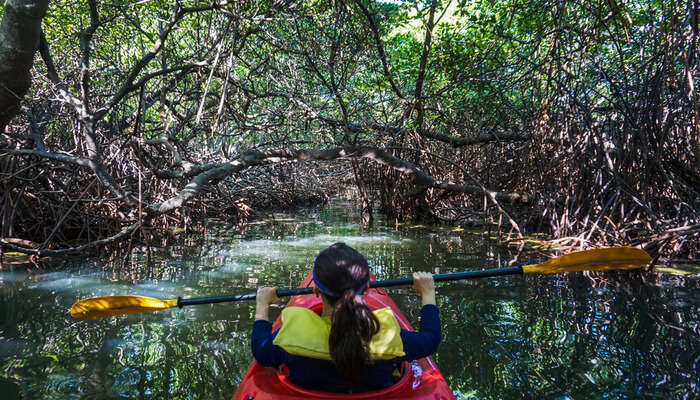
420, 379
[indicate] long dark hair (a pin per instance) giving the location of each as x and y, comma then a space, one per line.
342, 270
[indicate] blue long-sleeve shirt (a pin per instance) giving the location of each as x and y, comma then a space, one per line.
317, 374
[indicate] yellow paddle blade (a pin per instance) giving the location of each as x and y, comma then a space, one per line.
107, 306
604, 259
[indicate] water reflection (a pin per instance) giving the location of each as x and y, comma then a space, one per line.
606, 335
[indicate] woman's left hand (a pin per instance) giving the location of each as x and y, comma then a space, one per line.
266, 296
263, 298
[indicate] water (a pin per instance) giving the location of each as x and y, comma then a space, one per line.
611, 335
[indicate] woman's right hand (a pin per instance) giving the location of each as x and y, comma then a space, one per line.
424, 284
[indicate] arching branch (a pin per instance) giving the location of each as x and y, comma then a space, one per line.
379, 155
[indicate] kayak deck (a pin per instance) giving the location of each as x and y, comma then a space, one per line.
421, 379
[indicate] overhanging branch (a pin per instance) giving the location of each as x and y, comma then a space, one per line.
254, 158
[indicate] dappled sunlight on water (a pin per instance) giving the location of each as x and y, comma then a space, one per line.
581, 335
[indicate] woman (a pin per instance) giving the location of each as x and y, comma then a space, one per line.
348, 347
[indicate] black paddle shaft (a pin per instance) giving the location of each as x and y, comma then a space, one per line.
453, 276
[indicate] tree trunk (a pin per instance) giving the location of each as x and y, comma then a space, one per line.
20, 30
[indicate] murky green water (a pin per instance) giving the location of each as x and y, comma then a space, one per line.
610, 335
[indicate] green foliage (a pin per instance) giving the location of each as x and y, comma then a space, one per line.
487, 58
599, 88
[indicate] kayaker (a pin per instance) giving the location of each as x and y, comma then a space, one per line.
348, 347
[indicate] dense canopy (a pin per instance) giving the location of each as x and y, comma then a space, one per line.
577, 118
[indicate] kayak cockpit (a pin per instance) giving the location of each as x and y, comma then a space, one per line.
405, 379
419, 379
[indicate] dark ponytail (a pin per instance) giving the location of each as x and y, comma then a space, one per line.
344, 272
351, 331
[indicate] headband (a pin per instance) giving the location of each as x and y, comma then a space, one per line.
329, 292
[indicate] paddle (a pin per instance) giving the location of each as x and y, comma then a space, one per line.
613, 258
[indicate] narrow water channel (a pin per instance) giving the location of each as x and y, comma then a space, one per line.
604, 335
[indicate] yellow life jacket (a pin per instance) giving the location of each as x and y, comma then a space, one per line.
305, 333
